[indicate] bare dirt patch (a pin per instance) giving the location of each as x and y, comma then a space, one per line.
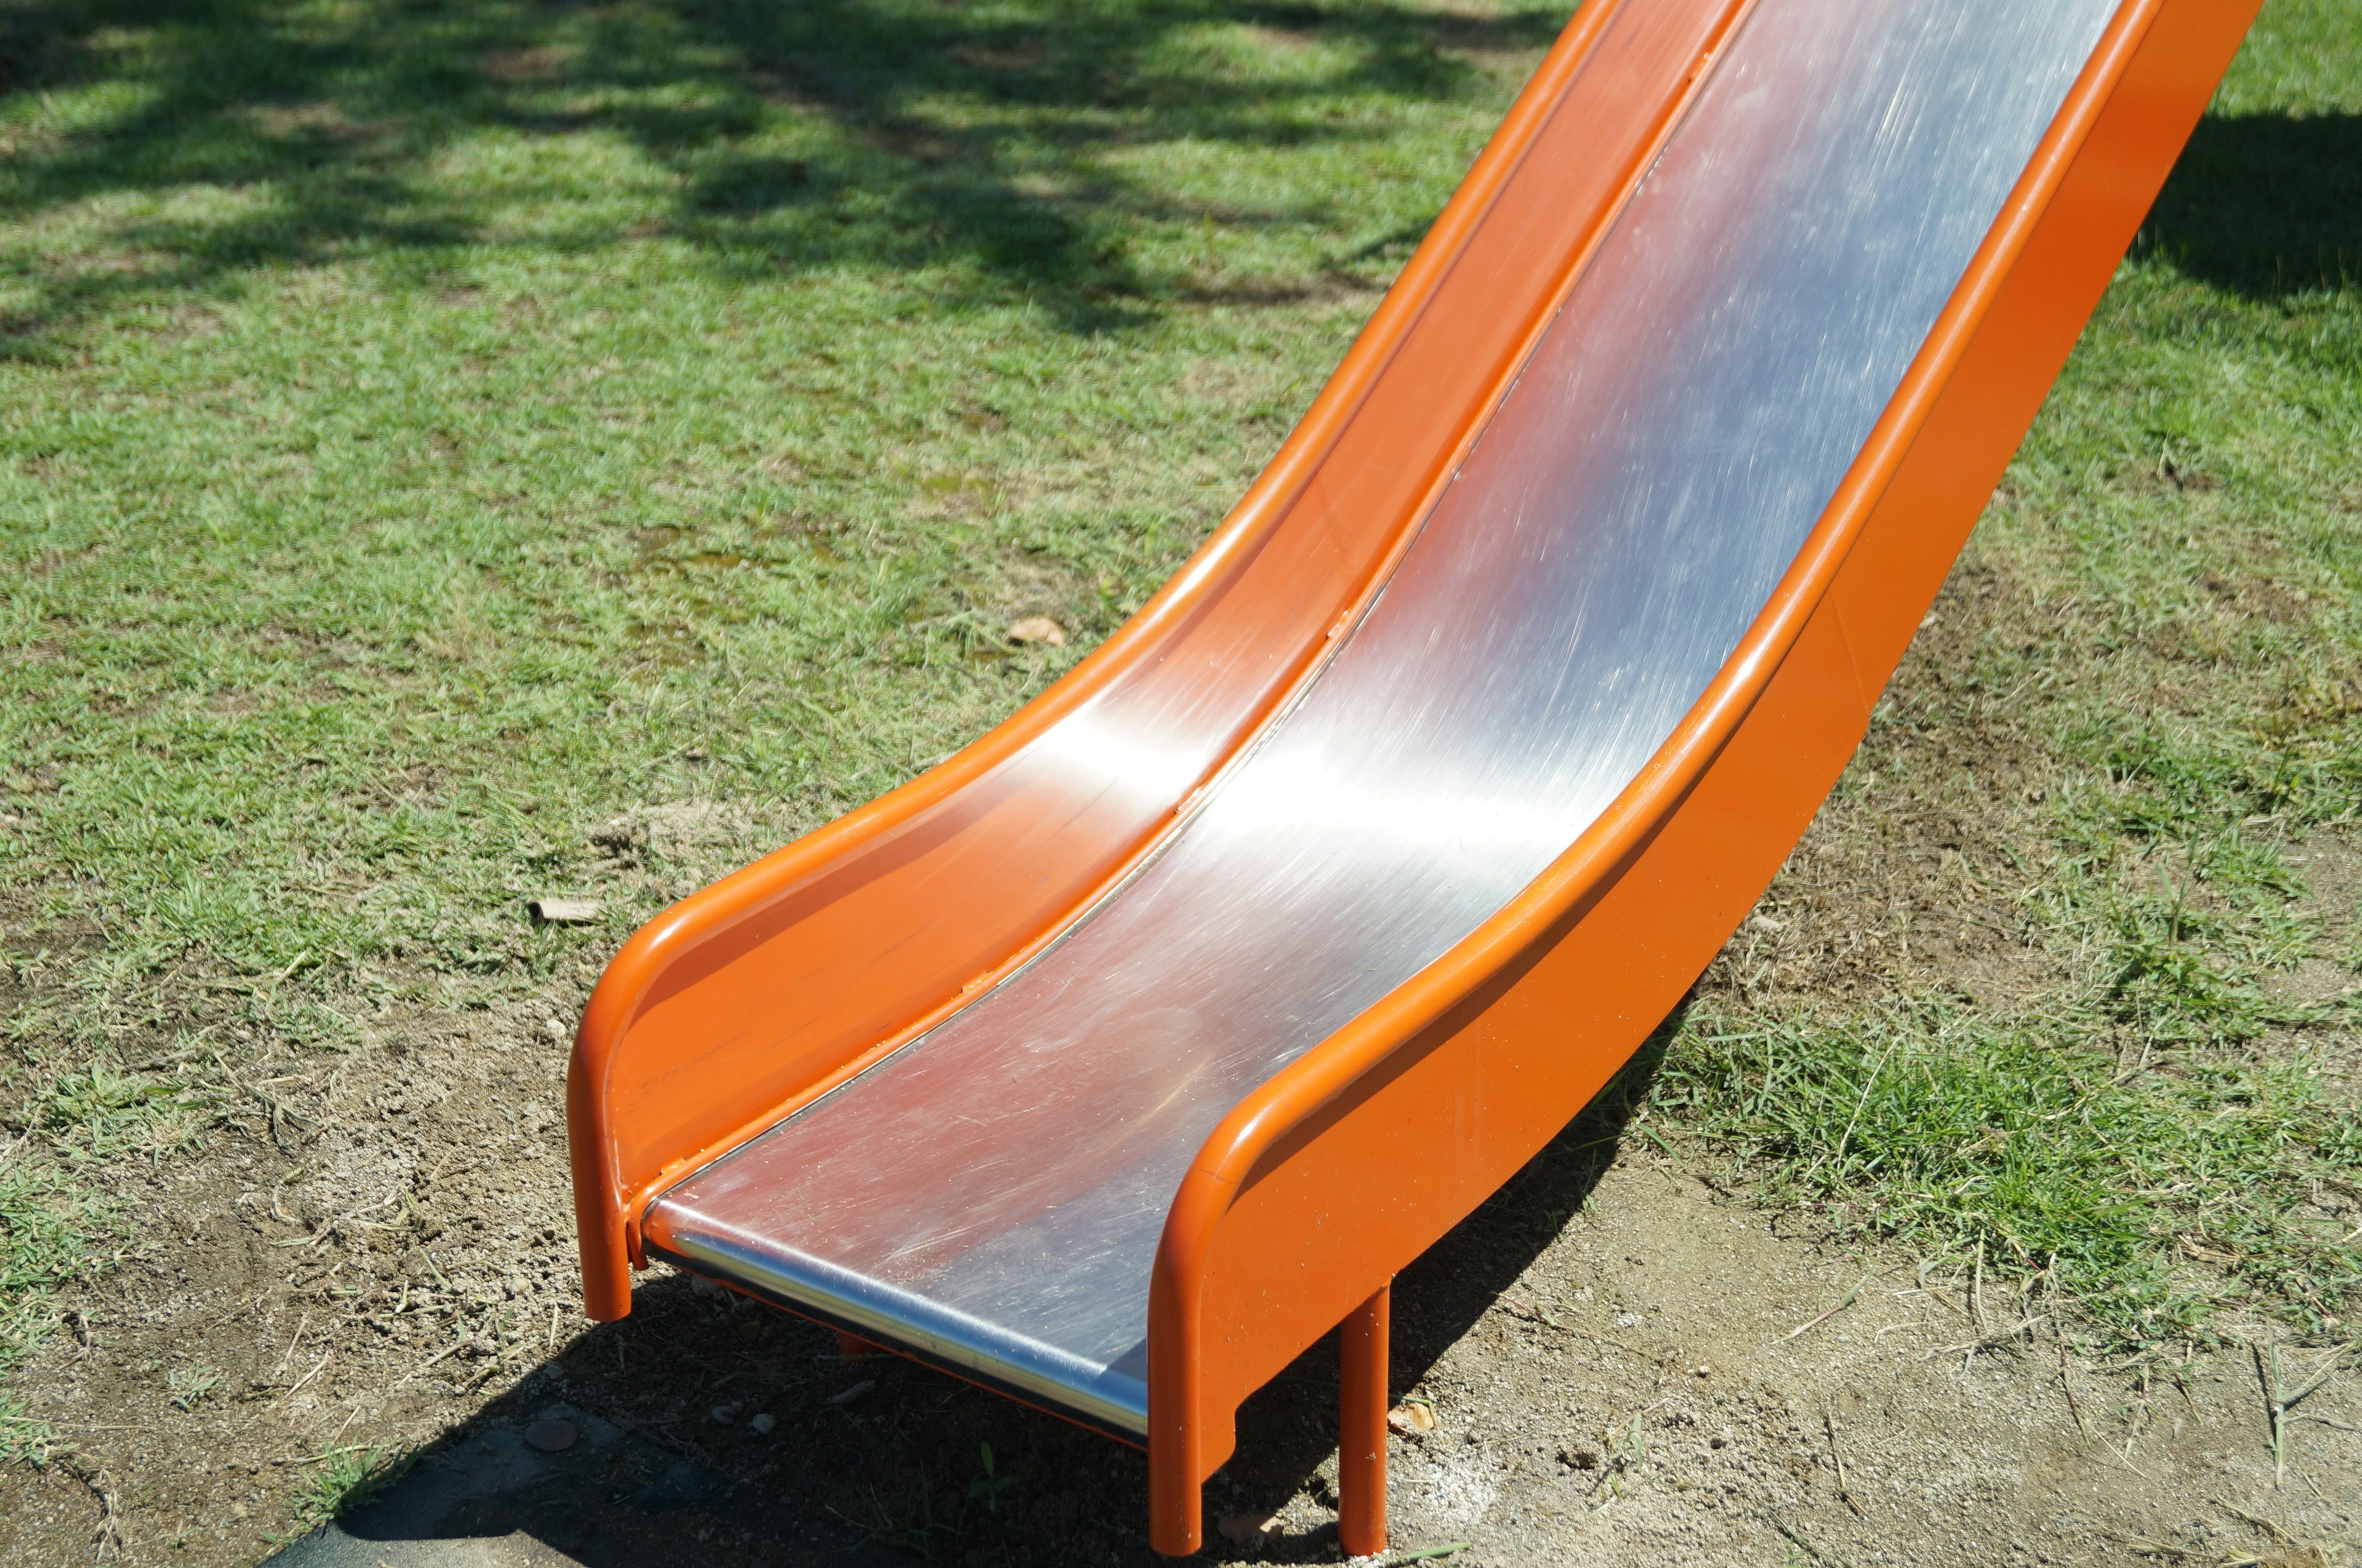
1907, 876
1634, 1384
348, 1267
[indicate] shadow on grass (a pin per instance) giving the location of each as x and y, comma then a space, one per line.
821, 134
2268, 206
873, 1456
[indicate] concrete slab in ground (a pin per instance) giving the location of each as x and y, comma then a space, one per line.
493, 1498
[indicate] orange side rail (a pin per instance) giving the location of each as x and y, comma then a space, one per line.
758, 994
1278, 1232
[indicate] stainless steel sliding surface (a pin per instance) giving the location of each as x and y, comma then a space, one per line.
993, 1192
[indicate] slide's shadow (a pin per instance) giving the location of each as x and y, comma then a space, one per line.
642, 1439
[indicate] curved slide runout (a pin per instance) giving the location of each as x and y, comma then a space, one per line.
1083, 1066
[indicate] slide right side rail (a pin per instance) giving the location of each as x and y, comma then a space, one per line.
1279, 1231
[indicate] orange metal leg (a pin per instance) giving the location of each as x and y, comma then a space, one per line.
1361, 1429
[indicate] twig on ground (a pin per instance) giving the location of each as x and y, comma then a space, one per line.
324, 1455
109, 1537
308, 1376
2067, 1382
1993, 1340
284, 1356
1519, 1308
2140, 1546
1815, 1322
1611, 1339
2279, 1402
1829, 1423
1806, 1547
2261, 1523
463, 1343
2319, 1379
350, 1417
2275, 1411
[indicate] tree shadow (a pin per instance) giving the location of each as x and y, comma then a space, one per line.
879, 1459
984, 147
2266, 206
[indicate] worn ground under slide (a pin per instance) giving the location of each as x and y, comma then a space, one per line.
1404, 812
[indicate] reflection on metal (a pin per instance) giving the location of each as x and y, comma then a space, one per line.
993, 1192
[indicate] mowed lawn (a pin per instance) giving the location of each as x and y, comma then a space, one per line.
452, 454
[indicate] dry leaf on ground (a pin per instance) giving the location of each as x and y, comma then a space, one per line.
1412, 1416
1038, 629
1248, 1530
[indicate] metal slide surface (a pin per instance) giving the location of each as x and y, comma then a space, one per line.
993, 1193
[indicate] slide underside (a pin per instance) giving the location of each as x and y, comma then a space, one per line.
1616, 517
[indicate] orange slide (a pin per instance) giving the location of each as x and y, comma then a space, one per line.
1079, 1066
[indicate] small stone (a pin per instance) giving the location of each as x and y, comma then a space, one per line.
856, 1392
763, 1424
724, 1414
555, 1435
554, 1027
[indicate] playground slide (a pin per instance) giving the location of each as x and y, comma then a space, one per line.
1114, 1061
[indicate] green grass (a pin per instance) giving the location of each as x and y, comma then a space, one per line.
2149, 1201
2154, 1134
428, 431
343, 1481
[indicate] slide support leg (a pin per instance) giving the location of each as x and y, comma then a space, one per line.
1361, 1428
